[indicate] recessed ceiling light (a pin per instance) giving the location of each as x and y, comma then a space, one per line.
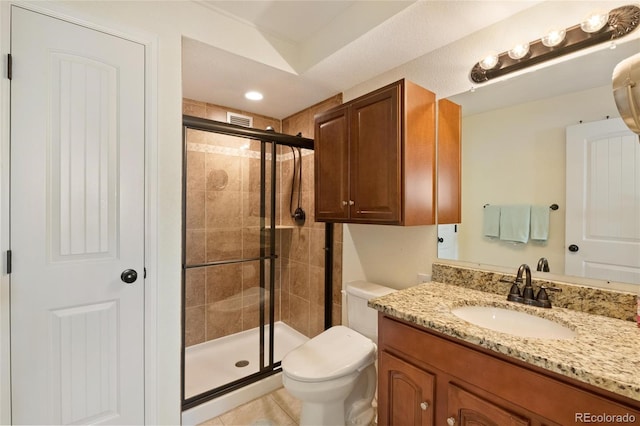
254, 96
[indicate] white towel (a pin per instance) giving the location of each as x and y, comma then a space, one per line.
540, 223
491, 221
514, 223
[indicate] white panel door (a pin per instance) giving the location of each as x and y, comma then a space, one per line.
77, 222
603, 202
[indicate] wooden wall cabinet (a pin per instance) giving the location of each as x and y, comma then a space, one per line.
375, 158
465, 385
449, 162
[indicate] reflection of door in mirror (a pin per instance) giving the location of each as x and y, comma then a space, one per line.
603, 201
448, 241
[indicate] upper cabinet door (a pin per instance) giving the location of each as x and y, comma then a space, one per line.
331, 165
375, 147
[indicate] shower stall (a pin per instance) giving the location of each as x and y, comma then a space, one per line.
239, 240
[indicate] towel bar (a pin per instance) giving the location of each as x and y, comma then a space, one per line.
553, 206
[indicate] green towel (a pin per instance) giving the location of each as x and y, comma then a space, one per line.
491, 221
514, 223
540, 223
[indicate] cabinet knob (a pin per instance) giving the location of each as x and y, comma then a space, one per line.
344, 203
424, 405
351, 202
451, 421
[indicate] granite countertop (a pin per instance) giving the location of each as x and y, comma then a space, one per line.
605, 352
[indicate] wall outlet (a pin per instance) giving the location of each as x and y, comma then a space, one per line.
424, 278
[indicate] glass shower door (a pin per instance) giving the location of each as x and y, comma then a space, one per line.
229, 260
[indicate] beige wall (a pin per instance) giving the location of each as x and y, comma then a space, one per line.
516, 155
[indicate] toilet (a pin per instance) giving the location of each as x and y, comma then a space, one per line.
334, 374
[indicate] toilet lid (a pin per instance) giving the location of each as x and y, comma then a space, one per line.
336, 352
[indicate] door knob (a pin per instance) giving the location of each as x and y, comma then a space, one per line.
573, 248
129, 276
440, 240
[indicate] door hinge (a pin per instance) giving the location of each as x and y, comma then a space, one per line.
9, 66
9, 261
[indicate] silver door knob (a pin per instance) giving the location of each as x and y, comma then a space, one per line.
424, 405
451, 421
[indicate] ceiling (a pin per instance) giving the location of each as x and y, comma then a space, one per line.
333, 46
322, 48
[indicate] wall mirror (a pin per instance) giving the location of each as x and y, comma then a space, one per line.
513, 152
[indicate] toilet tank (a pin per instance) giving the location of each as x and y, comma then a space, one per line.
360, 317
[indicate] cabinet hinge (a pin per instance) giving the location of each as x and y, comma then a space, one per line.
9, 262
9, 66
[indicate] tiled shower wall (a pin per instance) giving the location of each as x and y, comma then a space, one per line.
303, 254
223, 185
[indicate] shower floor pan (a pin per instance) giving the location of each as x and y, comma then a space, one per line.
217, 362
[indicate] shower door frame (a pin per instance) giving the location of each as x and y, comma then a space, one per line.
264, 137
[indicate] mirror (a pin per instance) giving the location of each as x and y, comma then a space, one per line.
513, 152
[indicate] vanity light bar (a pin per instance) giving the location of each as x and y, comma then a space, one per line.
622, 21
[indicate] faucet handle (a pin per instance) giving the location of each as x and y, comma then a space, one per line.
542, 298
514, 293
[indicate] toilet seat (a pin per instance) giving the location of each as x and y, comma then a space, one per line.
337, 352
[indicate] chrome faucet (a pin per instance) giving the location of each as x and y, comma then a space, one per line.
526, 297
543, 265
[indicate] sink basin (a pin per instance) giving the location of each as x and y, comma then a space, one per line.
512, 322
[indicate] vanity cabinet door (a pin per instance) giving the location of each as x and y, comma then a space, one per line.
467, 409
406, 393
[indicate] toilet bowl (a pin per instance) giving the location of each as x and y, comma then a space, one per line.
334, 374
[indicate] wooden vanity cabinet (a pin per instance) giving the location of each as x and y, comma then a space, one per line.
375, 158
467, 385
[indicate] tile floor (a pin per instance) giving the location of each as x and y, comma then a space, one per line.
278, 408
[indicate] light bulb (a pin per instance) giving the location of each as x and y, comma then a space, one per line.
519, 51
594, 22
489, 61
554, 37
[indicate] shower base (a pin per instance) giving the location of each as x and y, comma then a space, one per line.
212, 364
